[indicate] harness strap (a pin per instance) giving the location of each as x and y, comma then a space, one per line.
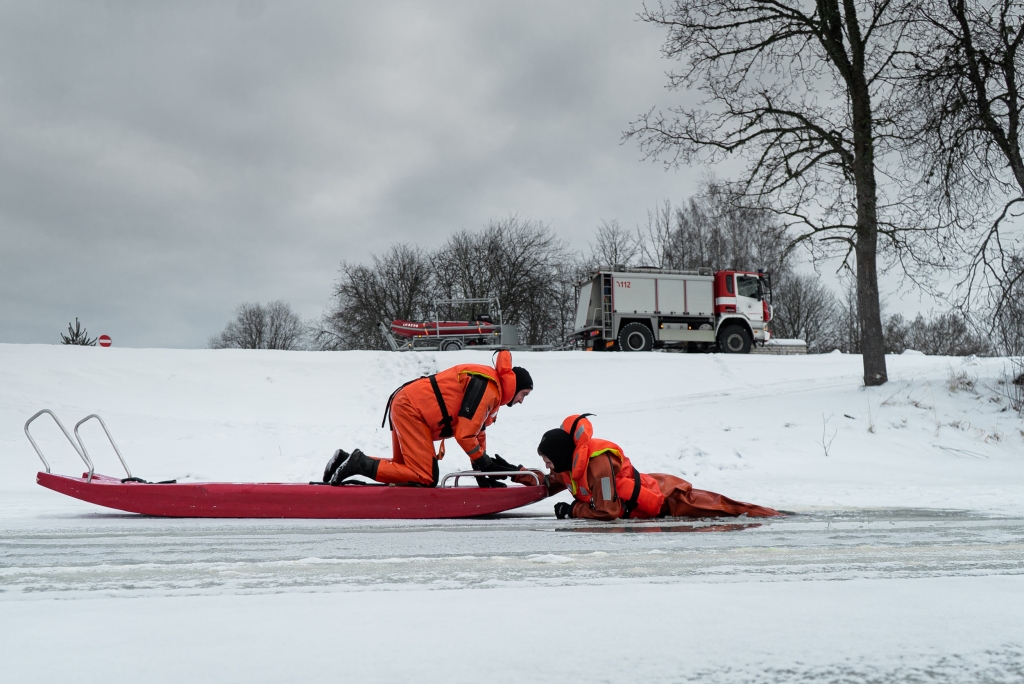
470, 402
387, 407
629, 506
446, 420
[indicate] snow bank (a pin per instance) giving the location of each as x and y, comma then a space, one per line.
787, 431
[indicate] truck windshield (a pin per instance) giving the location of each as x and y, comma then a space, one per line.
748, 286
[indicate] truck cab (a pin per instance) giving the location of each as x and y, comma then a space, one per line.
742, 309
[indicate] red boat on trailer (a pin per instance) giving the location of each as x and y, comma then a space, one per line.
482, 331
400, 328
277, 500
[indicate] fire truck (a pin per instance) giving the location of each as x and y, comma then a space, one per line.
641, 309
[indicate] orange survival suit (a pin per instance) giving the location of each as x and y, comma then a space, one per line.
459, 402
606, 486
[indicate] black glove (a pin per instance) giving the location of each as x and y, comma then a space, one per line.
563, 510
492, 464
487, 464
505, 465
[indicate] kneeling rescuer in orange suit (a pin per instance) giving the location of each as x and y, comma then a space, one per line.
459, 402
606, 486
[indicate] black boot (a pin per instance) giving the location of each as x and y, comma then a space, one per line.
336, 460
356, 464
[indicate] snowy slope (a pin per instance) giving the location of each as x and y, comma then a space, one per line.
879, 592
752, 427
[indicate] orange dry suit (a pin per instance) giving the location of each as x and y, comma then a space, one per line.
459, 402
606, 486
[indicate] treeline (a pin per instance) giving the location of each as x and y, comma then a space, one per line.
805, 309
263, 326
716, 229
534, 273
521, 262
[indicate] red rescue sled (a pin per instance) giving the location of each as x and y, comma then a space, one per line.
276, 500
285, 500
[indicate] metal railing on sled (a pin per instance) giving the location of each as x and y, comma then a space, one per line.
77, 443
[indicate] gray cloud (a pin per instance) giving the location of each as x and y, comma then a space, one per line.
163, 162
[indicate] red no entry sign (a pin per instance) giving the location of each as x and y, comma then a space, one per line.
104, 340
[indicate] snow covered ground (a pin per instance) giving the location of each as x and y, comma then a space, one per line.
904, 561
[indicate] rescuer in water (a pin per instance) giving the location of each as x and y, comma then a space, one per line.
606, 486
459, 402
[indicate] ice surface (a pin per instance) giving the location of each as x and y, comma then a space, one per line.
904, 561
954, 629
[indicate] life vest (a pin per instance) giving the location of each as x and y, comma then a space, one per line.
640, 494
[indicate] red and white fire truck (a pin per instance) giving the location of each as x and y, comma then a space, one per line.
647, 308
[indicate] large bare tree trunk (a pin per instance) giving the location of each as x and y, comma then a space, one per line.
869, 310
868, 306
869, 315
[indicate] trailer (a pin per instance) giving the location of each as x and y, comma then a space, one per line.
644, 308
485, 331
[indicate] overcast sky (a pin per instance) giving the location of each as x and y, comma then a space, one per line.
163, 162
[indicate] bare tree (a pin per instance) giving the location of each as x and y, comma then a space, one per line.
284, 329
846, 334
613, 245
798, 88
804, 309
258, 326
718, 230
572, 271
397, 285
962, 107
657, 240
513, 259
1008, 323
948, 334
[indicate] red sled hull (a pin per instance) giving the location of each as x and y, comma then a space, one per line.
287, 500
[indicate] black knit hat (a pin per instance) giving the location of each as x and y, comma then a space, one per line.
557, 446
523, 379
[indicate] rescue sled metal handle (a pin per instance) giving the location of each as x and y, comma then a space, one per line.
39, 452
480, 473
104, 426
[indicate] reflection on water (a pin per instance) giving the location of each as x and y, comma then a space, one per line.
629, 529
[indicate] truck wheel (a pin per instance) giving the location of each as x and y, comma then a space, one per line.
451, 345
636, 337
734, 340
